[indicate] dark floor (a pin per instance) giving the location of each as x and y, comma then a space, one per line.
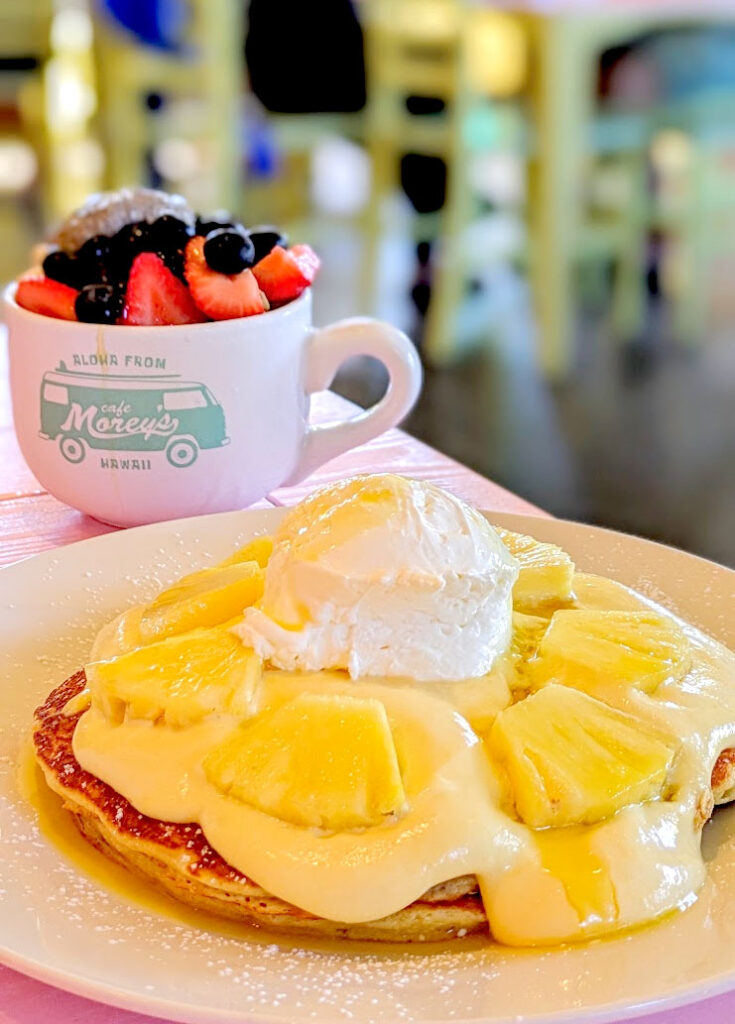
640, 439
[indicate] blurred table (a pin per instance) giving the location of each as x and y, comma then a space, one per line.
32, 521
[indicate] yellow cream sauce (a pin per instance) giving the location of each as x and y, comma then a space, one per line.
538, 886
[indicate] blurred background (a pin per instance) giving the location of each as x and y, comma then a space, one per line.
541, 192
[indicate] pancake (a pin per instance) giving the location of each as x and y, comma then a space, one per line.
178, 859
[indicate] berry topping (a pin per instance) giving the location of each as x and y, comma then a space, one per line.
228, 252
214, 221
47, 297
154, 296
105, 213
307, 259
169, 233
60, 266
168, 238
221, 296
264, 238
174, 260
95, 257
98, 304
284, 273
127, 243
222, 271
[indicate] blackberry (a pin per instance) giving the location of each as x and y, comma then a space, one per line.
264, 238
95, 258
98, 304
213, 221
63, 267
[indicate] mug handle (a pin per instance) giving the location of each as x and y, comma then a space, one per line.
326, 349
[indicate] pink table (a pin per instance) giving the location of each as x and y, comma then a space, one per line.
32, 521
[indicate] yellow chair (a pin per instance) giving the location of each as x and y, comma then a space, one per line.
25, 35
565, 44
200, 121
459, 54
693, 209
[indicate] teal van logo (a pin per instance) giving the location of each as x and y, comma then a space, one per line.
117, 413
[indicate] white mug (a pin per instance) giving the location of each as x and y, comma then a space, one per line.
138, 424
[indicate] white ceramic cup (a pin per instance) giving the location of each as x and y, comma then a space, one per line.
137, 424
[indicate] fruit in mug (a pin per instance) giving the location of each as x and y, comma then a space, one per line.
546, 571
95, 257
154, 296
178, 681
168, 233
98, 304
221, 296
228, 252
64, 267
100, 243
596, 650
285, 273
206, 223
204, 598
129, 241
47, 297
570, 759
322, 761
168, 237
264, 238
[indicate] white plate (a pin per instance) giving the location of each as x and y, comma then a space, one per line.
63, 927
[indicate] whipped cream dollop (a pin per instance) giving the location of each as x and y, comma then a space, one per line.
384, 576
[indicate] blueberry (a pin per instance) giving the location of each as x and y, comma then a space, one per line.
95, 258
228, 252
98, 304
130, 240
168, 233
264, 238
212, 221
62, 266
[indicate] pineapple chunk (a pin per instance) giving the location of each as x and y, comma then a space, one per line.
571, 759
209, 597
527, 633
118, 636
257, 550
596, 650
178, 681
546, 572
320, 760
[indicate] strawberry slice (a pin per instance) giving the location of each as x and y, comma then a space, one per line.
221, 296
284, 273
154, 296
47, 297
